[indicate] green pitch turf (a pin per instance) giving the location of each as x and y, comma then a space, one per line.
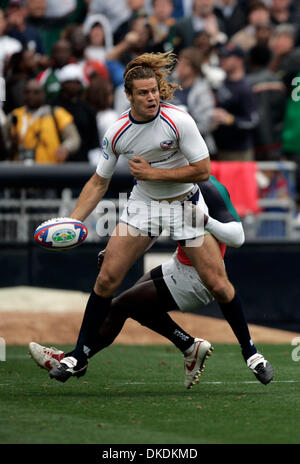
136, 395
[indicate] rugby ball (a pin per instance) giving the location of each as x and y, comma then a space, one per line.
60, 234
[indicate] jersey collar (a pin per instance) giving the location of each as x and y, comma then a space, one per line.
142, 122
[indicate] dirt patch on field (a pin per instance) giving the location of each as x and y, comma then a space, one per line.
62, 328
54, 316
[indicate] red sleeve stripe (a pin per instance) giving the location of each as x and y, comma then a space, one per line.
172, 123
122, 117
119, 133
172, 107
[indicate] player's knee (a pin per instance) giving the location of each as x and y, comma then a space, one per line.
106, 283
222, 291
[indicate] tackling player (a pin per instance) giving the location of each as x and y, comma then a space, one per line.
174, 285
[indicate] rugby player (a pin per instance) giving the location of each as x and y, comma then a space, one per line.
168, 157
175, 285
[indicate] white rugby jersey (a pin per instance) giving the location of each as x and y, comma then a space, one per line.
170, 140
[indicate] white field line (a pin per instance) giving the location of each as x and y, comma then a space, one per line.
211, 383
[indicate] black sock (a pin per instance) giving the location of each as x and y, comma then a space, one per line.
96, 311
234, 314
163, 324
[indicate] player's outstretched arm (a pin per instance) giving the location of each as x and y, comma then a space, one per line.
223, 222
91, 194
230, 233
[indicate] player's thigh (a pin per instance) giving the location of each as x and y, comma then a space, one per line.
138, 299
145, 278
207, 260
123, 249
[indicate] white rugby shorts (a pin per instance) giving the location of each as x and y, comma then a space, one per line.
185, 285
181, 220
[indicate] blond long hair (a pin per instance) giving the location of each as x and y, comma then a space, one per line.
157, 65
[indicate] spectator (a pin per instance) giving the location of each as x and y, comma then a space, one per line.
8, 45
137, 9
36, 9
271, 100
116, 12
60, 56
201, 19
39, 133
20, 30
70, 97
236, 115
57, 9
99, 43
138, 40
258, 16
232, 15
210, 63
291, 130
182, 8
21, 67
285, 11
195, 96
51, 17
163, 24
49, 30
286, 58
100, 96
263, 34
99, 37
78, 46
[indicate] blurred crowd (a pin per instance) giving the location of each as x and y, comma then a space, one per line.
62, 64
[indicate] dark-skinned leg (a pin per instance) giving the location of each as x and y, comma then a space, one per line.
144, 304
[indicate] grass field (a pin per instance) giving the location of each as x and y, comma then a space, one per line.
136, 395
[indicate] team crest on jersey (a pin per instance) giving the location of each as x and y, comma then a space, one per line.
105, 143
167, 144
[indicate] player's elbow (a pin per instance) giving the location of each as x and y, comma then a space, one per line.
239, 236
201, 170
203, 176
99, 182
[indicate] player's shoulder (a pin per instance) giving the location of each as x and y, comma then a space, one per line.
177, 118
174, 111
118, 125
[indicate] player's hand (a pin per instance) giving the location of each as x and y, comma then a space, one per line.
140, 168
